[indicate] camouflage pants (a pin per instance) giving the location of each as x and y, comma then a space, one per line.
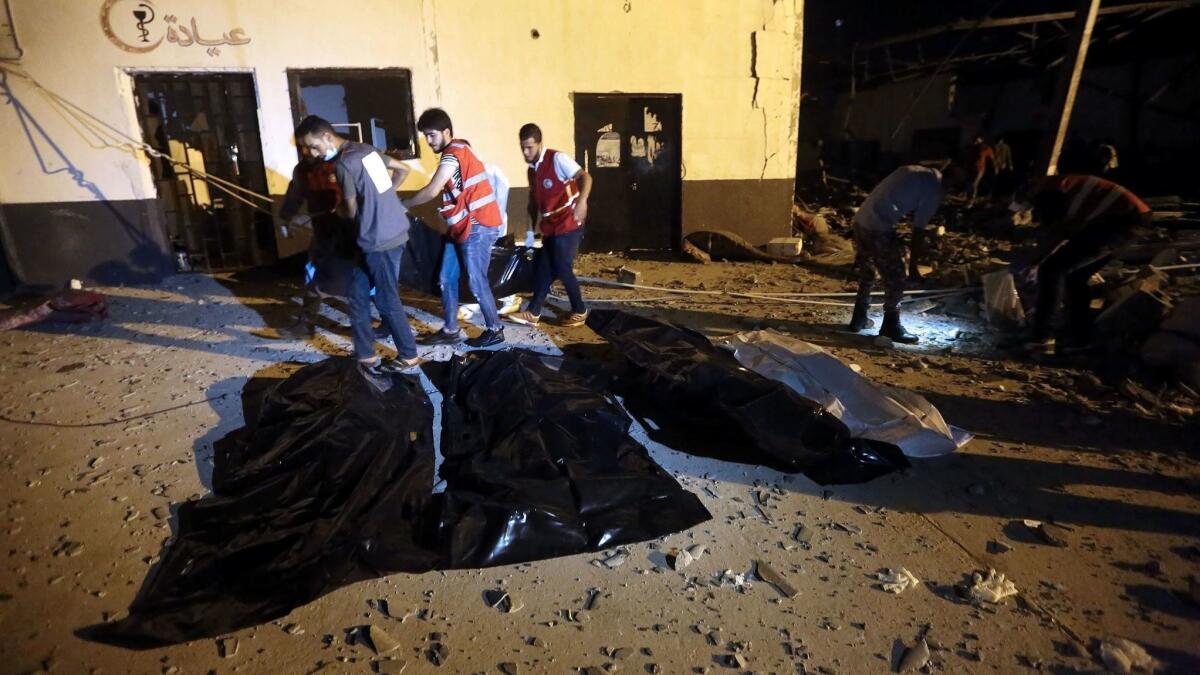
880, 251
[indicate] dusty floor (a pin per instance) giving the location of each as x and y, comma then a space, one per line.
105, 426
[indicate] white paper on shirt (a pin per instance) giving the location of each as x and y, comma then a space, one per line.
373, 163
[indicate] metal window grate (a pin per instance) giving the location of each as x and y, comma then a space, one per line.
210, 122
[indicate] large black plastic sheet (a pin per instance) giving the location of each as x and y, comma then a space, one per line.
331, 484
539, 463
510, 270
697, 398
321, 495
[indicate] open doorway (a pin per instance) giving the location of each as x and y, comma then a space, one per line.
372, 106
209, 122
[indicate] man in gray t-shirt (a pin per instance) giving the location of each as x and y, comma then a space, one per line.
362, 174
369, 199
909, 189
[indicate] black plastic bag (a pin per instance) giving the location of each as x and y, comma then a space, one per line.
510, 270
332, 485
332, 495
695, 397
539, 463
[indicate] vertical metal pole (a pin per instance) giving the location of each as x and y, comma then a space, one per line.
1068, 83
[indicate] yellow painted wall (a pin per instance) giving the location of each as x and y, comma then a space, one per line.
475, 58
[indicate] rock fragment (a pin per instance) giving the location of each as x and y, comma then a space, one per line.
992, 587
915, 657
897, 580
1124, 656
764, 571
379, 641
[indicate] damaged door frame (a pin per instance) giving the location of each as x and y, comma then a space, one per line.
127, 92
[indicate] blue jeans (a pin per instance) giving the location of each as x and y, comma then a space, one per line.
381, 269
476, 254
557, 261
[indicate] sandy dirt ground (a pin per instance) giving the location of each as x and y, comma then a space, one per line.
105, 426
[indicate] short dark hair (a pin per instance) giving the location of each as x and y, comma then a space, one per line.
530, 130
435, 119
315, 126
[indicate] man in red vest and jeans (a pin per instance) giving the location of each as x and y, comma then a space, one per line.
557, 198
473, 217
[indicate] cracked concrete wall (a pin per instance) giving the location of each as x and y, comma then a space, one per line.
734, 62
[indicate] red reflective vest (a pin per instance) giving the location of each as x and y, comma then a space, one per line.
321, 190
555, 199
471, 197
1091, 199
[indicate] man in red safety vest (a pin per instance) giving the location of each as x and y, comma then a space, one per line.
559, 201
1087, 218
331, 251
473, 218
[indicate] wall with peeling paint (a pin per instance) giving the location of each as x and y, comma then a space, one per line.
735, 63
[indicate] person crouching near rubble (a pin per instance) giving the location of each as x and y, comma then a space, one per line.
1084, 219
877, 246
558, 194
473, 217
369, 200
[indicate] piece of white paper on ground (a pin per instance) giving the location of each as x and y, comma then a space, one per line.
871, 410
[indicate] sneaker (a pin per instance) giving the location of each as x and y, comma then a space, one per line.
526, 317
443, 338
488, 338
509, 304
1044, 347
386, 367
575, 319
297, 331
399, 365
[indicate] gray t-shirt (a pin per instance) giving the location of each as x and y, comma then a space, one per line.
363, 176
909, 189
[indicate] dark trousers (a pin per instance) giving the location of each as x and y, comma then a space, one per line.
557, 261
381, 269
1068, 269
880, 251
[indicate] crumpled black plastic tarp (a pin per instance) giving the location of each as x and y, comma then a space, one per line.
698, 398
332, 485
510, 270
321, 501
539, 463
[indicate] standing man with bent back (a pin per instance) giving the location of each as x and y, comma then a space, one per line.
473, 216
369, 199
556, 198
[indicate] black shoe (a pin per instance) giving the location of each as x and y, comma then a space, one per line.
443, 338
488, 338
300, 330
859, 320
399, 365
892, 329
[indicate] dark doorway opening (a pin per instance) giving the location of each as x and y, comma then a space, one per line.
631, 145
208, 122
372, 106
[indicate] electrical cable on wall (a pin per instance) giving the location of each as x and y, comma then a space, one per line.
125, 142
